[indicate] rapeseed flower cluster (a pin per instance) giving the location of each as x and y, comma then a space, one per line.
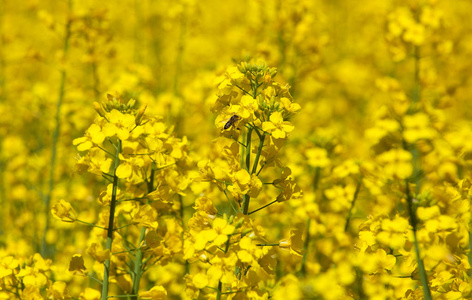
258, 150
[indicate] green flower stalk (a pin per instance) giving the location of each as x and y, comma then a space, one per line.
45, 251
110, 230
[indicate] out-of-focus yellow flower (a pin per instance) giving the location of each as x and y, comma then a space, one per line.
426, 213
434, 221
146, 216
153, 239
58, 290
431, 16
289, 289
7, 265
277, 126
96, 251
340, 197
218, 235
76, 265
384, 260
397, 163
93, 136
64, 211
244, 183
206, 205
346, 168
200, 280
156, 293
417, 127
381, 129
317, 157
31, 276
415, 33
90, 294
393, 232
40, 263
31, 292
376, 262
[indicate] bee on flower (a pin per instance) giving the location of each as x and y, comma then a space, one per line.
232, 121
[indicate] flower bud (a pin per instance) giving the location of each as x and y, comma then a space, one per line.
140, 114
99, 109
242, 67
130, 103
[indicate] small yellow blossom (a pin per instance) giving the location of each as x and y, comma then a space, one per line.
318, 157
64, 211
244, 183
156, 293
206, 205
146, 216
393, 232
294, 244
96, 251
90, 294
93, 136
277, 126
58, 290
397, 163
417, 127
119, 125
200, 280
77, 266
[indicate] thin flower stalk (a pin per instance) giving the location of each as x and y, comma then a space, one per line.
111, 220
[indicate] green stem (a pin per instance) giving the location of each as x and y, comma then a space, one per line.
220, 287
262, 207
268, 245
138, 260
247, 165
248, 149
45, 251
259, 151
90, 224
305, 247
358, 187
316, 180
180, 51
106, 272
413, 223
417, 90
138, 265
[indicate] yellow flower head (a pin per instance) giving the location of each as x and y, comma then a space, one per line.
277, 126
64, 212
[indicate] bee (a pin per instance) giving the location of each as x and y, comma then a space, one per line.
232, 121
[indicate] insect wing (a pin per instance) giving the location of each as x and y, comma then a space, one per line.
232, 121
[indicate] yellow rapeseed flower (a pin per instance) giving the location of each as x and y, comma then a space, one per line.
64, 211
156, 293
277, 126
